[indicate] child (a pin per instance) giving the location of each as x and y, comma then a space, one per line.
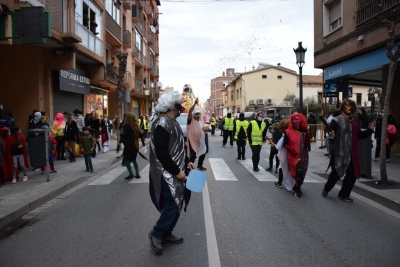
276, 135
87, 145
2, 155
52, 151
15, 146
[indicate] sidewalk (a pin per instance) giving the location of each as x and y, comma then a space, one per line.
22, 197
388, 196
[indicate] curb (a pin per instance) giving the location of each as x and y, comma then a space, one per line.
365, 191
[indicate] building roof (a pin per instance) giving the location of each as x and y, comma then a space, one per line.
319, 79
265, 68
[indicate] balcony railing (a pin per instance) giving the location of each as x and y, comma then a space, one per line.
110, 73
113, 27
128, 79
127, 38
368, 9
140, 56
139, 85
89, 39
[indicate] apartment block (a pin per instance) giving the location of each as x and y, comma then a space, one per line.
59, 55
350, 46
217, 86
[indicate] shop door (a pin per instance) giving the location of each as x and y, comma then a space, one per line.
66, 101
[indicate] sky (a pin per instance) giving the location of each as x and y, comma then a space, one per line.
199, 39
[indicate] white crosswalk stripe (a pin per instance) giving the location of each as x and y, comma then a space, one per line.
262, 175
221, 170
144, 176
108, 177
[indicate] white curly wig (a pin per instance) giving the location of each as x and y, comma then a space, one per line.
167, 101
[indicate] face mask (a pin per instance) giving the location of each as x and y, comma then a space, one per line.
260, 119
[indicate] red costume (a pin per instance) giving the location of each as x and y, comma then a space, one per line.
10, 142
297, 143
7, 159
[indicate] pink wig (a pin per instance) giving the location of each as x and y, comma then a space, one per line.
59, 120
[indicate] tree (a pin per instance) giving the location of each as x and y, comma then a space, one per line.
392, 19
120, 75
291, 100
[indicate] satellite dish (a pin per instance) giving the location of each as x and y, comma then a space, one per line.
153, 29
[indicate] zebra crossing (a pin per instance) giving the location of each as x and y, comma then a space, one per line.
220, 170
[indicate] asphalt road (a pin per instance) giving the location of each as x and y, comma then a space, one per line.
252, 223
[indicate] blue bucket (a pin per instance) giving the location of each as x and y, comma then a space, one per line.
196, 180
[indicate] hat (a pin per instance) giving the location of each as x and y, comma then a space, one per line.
77, 111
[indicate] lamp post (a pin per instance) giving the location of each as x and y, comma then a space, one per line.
371, 97
300, 55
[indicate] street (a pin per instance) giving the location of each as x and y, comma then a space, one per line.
105, 222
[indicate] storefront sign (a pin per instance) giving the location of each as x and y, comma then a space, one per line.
369, 61
76, 81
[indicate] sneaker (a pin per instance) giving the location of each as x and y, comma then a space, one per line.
137, 176
324, 193
43, 173
155, 243
238, 158
347, 199
25, 179
269, 169
129, 177
278, 184
256, 169
201, 168
14, 181
298, 194
243, 158
53, 171
326, 155
172, 240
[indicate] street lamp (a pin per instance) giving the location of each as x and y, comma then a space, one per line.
300, 55
371, 97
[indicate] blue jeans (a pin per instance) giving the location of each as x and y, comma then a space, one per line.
88, 161
169, 215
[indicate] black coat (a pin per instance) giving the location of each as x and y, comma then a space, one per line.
130, 141
71, 131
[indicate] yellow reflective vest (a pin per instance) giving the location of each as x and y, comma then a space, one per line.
228, 124
213, 121
256, 133
240, 124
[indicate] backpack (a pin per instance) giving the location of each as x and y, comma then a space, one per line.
391, 131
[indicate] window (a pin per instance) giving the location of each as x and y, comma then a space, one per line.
359, 98
240, 92
332, 15
237, 94
279, 77
233, 95
113, 9
264, 76
138, 40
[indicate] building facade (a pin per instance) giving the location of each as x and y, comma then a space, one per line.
217, 86
350, 45
263, 86
70, 63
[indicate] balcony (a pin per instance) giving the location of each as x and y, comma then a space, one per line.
89, 39
139, 26
111, 73
136, 50
69, 36
135, 13
368, 9
139, 85
140, 57
126, 4
150, 41
128, 79
113, 31
126, 39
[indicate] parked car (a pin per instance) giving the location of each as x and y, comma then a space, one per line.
182, 120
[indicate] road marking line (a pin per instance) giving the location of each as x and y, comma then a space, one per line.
221, 170
308, 179
144, 176
110, 176
262, 175
212, 246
